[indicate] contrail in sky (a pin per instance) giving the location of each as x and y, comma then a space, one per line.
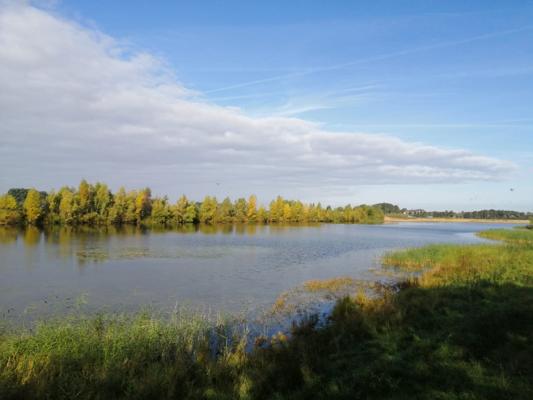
372, 59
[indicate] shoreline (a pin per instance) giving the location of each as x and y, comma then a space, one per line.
463, 220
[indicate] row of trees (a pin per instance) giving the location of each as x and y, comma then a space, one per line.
389, 209
97, 205
481, 214
392, 209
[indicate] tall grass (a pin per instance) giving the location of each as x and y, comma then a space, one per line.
520, 235
460, 326
454, 264
116, 356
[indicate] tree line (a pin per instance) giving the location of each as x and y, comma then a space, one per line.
96, 204
480, 214
392, 209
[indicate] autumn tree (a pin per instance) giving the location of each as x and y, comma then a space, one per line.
52, 200
276, 209
161, 212
130, 214
84, 196
117, 211
143, 205
19, 194
287, 213
312, 213
251, 214
33, 210
68, 207
102, 200
297, 211
262, 215
241, 210
320, 213
208, 210
9, 211
191, 214
225, 212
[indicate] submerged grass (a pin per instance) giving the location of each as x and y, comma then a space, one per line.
460, 326
314, 294
330, 285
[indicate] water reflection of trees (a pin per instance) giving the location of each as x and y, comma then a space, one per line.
86, 244
31, 236
8, 235
67, 238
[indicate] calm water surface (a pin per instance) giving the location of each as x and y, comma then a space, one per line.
229, 268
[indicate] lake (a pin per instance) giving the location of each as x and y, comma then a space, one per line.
223, 268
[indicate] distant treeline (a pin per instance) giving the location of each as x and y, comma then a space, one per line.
97, 205
391, 209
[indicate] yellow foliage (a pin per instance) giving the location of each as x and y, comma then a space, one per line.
32, 207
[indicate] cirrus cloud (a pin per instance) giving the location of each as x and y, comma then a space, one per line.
75, 103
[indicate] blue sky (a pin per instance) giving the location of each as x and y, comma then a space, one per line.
453, 75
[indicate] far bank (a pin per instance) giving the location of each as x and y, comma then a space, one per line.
389, 219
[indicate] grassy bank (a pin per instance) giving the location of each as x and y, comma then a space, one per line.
459, 327
520, 236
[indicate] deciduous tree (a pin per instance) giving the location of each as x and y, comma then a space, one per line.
33, 208
9, 211
208, 210
251, 215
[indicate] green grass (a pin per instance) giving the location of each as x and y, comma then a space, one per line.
519, 235
117, 356
459, 326
448, 265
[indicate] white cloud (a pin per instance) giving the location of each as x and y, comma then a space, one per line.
74, 104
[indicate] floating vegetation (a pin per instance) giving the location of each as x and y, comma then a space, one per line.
314, 294
96, 255
333, 285
92, 255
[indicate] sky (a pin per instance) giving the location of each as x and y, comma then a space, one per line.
425, 104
